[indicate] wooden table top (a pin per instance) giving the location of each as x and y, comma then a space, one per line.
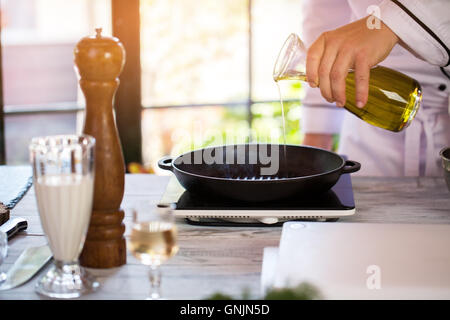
228, 259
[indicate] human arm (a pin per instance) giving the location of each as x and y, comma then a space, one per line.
320, 119
352, 46
423, 27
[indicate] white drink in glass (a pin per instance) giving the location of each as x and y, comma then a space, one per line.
63, 177
65, 204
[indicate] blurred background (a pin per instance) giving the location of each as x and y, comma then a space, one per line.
204, 72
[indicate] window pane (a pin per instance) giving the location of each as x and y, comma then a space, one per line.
172, 131
19, 129
272, 22
267, 123
38, 37
194, 51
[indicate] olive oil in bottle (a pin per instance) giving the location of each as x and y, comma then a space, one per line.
393, 98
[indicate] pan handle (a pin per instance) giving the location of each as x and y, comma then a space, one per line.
350, 166
165, 163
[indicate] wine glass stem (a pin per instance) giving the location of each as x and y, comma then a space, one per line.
155, 282
2, 277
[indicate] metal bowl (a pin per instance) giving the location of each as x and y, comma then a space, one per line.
445, 155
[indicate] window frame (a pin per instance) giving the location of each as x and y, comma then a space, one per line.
2, 114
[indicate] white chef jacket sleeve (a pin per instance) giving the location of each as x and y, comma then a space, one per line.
318, 16
422, 25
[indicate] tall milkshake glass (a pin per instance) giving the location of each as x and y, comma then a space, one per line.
63, 177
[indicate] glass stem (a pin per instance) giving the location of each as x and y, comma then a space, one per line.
2, 277
155, 282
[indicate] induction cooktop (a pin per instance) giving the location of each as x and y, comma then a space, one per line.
329, 206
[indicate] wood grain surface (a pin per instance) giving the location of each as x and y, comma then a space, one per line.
228, 259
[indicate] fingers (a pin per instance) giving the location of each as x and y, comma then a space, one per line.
338, 74
362, 74
326, 64
313, 58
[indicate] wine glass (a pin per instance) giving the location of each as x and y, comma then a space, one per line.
153, 240
63, 179
3, 253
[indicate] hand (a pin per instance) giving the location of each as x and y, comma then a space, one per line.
353, 46
319, 140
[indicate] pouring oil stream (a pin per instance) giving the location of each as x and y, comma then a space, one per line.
284, 127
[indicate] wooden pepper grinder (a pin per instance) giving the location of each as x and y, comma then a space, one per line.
99, 61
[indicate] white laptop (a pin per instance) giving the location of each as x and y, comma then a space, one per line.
362, 260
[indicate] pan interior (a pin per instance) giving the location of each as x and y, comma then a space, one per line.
258, 161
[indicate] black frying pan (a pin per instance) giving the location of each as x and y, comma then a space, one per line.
234, 171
